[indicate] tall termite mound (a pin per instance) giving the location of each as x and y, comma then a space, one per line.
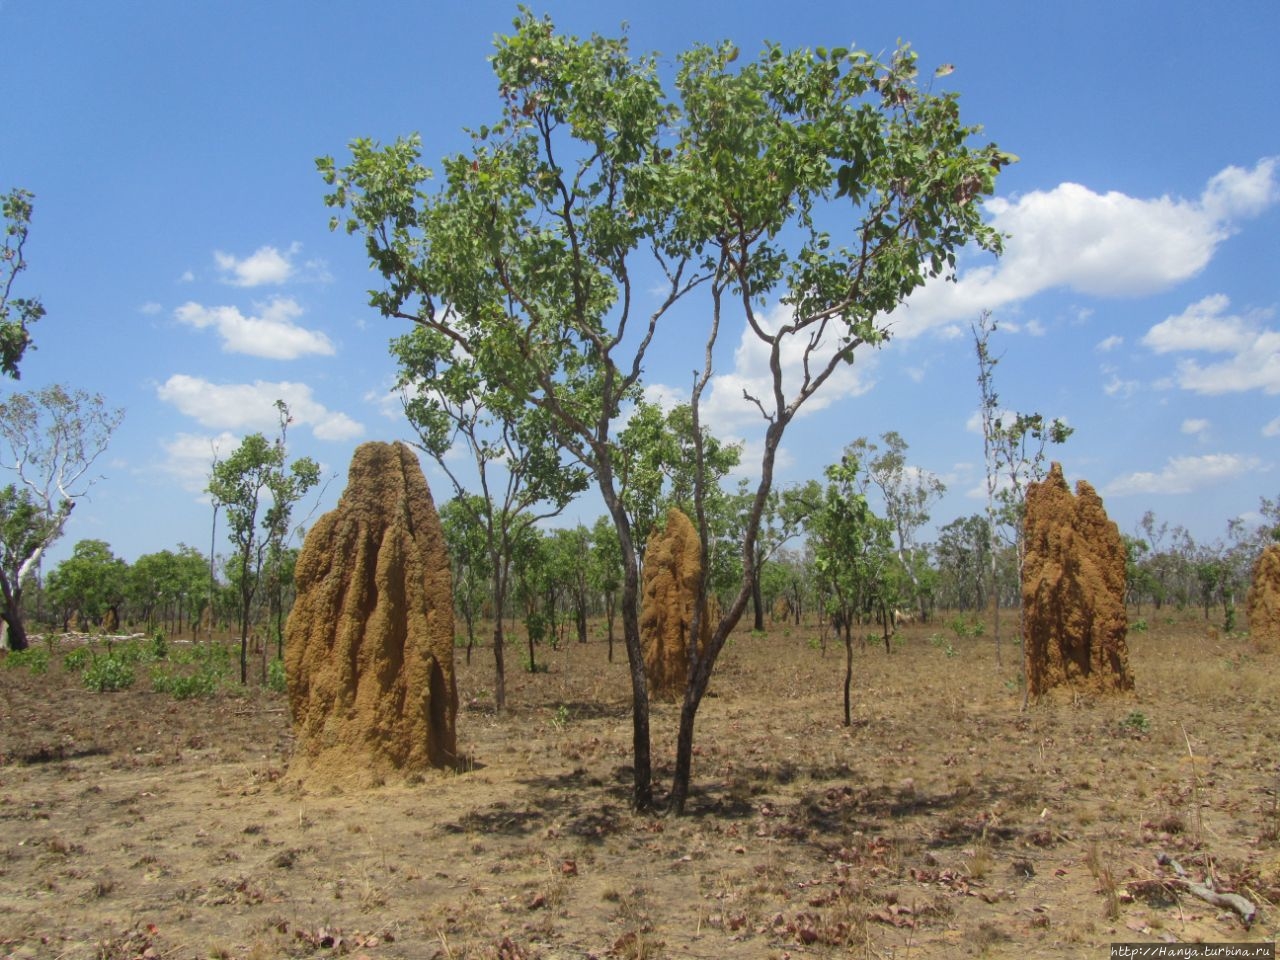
1073, 591
672, 566
1263, 602
369, 643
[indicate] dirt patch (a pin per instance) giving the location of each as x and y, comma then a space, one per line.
1073, 591
944, 823
369, 643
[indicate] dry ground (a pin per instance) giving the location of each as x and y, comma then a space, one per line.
945, 822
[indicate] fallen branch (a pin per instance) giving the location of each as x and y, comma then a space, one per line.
1205, 892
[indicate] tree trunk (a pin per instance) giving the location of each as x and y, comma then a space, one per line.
499, 598
848, 679
642, 787
500, 673
757, 601
610, 608
16, 634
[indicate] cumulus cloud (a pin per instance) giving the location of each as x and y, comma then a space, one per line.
1117, 386
1272, 429
1196, 427
1184, 475
1105, 245
1109, 344
725, 403
266, 265
272, 333
1207, 327
189, 456
251, 406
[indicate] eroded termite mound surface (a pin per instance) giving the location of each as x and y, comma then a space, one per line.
369, 643
672, 567
1263, 602
1073, 585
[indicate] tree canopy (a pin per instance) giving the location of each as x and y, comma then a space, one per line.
824, 183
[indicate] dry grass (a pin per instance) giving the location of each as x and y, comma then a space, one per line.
944, 822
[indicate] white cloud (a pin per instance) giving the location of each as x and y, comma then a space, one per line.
1109, 344
266, 265
1116, 387
251, 406
666, 398
752, 452
388, 402
187, 277
1184, 475
1103, 245
271, 334
725, 403
1272, 429
1205, 326
189, 457
150, 308
1196, 427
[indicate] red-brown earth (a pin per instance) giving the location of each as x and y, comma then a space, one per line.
945, 822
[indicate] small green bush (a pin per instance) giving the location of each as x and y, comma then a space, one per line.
1137, 722
213, 657
77, 659
184, 686
35, 659
159, 646
275, 676
109, 673
1139, 625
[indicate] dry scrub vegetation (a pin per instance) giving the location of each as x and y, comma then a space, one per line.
944, 823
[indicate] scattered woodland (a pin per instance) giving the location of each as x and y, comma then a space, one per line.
145, 804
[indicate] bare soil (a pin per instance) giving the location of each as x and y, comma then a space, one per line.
946, 822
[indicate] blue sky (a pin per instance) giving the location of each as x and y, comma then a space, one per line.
181, 243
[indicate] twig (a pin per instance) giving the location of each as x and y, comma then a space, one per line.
1234, 901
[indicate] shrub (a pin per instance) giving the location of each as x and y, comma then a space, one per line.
108, 673
77, 659
184, 686
1137, 722
35, 659
275, 676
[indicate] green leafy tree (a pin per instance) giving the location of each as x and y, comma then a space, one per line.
24, 532
168, 586
88, 583
851, 549
469, 559
258, 488
908, 493
962, 554
51, 439
825, 182
521, 477
604, 571
1014, 447
17, 314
